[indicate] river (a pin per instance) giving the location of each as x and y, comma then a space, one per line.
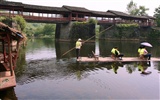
42, 73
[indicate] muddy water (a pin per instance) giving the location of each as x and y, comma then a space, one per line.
44, 74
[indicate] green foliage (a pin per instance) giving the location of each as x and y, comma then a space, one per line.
132, 9
82, 30
126, 30
40, 29
32, 27
20, 21
92, 21
127, 25
142, 11
38, 32
48, 29
6, 20
157, 15
158, 22
154, 34
2, 18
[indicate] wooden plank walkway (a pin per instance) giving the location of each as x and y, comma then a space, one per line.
109, 59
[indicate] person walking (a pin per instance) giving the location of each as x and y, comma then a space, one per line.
78, 47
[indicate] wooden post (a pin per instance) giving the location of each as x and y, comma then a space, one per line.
10, 54
4, 58
17, 51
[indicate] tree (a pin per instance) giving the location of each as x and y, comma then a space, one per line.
6, 20
132, 9
48, 29
142, 11
20, 21
157, 15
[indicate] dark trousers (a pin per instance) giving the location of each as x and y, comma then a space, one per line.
148, 56
77, 53
120, 55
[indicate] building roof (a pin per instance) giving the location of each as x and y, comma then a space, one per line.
15, 34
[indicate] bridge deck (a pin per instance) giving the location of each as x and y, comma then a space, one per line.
109, 59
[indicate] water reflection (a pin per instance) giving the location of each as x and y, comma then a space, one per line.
56, 69
142, 67
115, 66
8, 94
41, 64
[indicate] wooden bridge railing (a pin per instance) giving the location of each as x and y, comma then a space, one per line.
66, 19
37, 18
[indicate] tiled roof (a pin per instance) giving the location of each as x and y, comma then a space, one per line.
102, 14
77, 9
5, 29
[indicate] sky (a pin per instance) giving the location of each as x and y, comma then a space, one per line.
96, 5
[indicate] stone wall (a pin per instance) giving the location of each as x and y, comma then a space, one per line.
71, 31
124, 34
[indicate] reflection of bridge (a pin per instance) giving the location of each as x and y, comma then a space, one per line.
67, 13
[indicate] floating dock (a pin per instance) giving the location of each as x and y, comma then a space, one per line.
109, 59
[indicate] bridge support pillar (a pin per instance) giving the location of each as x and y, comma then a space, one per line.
63, 31
107, 33
82, 30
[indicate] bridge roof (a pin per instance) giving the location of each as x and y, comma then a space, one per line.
127, 16
45, 9
76, 9
119, 14
103, 14
34, 8
7, 3
17, 6
150, 17
139, 17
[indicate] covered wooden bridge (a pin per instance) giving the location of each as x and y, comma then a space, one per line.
65, 14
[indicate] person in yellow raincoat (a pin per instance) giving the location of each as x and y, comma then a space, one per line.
78, 47
116, 53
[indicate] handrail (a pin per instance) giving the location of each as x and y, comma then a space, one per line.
60, 18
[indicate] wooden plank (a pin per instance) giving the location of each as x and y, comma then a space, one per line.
109, 59
6, 80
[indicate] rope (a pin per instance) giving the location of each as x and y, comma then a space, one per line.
87, 40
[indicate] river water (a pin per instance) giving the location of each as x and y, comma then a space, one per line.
42, 73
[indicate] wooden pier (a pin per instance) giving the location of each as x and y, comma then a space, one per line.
109, 59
